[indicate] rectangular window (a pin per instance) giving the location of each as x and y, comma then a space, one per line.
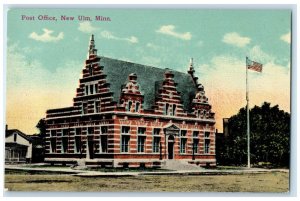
64, 145
141, 143
125, 143
78, 144
206, 134
53, 145
125, 129
65, 132
91, 130
84, 108
96, 88
78, 131
104, 130
206, 146
53, 133
195, 145
156, 131
141, 131
156, 144
195, 133
166, 111
183, 133
15, 137
92, 89
86, 90
174, 110
23, 154
129, 106
137, 107
103, 143
183, 145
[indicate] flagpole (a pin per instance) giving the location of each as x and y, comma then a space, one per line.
248, 119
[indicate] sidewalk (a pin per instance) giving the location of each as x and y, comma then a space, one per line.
91, 173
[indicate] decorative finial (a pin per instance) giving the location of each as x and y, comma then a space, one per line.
92, 49
191, 67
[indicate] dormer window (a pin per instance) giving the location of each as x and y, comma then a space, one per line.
167, 109
174, 110
91, 89
96, 88
129, 106
86, 90
91, 70
137, 106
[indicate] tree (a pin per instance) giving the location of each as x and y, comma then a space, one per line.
41, 125
269, 137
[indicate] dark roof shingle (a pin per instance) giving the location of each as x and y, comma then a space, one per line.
149, 79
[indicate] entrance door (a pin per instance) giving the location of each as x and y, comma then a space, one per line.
171, 147
91, 148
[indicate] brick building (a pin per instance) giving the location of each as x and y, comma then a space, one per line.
127, 114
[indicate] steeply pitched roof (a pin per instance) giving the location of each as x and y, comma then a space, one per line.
12, 131
149, 79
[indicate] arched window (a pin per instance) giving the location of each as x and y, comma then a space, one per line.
167, 109
174, 110
129, 106
137, 106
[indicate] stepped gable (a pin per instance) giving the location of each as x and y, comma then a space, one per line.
117, 72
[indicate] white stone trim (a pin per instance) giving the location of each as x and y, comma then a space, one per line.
140, 115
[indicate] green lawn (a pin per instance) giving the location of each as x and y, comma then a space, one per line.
263, 182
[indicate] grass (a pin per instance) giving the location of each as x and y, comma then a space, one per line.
263, 182
127, 169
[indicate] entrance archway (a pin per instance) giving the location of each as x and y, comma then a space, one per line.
171, 147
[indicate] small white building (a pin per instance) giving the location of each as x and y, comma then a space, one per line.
18, 147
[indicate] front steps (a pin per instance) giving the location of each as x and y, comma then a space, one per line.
179, 165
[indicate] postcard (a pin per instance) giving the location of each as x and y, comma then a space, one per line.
148, 100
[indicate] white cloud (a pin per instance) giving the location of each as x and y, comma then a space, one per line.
170, 30
258, 55
86, 27
110, 35
235, 39
46, 36
132, 39
286, 38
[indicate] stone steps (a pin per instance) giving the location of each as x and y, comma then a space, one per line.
179, 165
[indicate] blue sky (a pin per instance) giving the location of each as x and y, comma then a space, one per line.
45, 58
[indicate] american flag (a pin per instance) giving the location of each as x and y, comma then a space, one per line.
253, 65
